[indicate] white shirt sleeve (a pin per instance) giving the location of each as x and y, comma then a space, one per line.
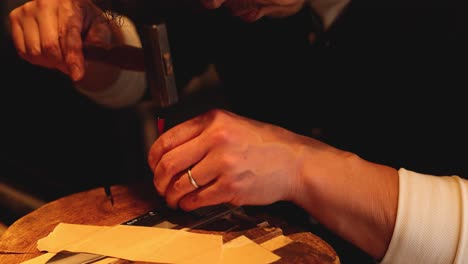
432, 220
130, 86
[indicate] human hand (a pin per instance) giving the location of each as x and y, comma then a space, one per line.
234, 160
50, 33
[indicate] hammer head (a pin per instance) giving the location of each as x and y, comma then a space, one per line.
159, 68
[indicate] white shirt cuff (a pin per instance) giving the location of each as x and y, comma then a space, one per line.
432, 220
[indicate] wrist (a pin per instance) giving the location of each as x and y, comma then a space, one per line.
354, 198
319, 171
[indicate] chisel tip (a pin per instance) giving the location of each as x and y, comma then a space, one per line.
108, 192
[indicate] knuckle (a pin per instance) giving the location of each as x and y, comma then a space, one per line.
43, 4
217, 113
167, 165
51, 48
228, 162
163, 167
34, 52
221, 135
178, 186
14, 15
28, 7
165, 143
158, 186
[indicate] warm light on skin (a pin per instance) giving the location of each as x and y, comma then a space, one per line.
253, 10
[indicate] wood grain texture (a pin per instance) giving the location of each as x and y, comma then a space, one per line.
88, 207
19, 242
